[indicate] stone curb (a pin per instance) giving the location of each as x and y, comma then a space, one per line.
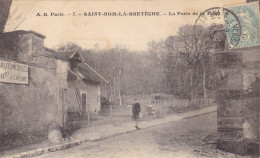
67, 145
41, 151
199, 114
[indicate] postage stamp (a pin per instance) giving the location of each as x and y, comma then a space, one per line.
248, 15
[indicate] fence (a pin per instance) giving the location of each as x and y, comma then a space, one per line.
168, 103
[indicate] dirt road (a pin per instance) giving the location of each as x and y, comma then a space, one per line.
186, 138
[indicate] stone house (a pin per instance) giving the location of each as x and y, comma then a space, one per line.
83, 80
38, 86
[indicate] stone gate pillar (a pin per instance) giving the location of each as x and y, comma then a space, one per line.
237, 97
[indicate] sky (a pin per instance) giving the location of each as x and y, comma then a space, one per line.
132, 32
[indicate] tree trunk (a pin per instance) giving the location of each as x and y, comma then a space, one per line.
4, 12
120, 97
110, 111
191, 88
204, 84
119, 87
88, 113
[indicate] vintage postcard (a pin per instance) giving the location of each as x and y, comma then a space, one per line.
129, 79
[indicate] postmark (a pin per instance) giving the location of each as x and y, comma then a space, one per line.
220, 19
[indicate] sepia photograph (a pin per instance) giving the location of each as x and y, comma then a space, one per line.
129, 78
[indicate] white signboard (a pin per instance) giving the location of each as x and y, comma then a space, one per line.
11, 72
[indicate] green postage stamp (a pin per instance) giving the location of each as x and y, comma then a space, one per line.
248, 16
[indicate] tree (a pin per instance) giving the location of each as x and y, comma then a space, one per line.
175, 68
69, 47
172, 68
194, 44
5, 6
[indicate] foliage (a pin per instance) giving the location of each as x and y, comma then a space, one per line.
186, 59
173, 65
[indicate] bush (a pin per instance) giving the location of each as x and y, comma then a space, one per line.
10, 139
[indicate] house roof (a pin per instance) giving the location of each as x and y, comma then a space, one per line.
86, 70
89, 73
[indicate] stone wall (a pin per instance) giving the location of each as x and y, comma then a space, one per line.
93, 94
92, 91
237, 96
26, 110
19, 45
71, 98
